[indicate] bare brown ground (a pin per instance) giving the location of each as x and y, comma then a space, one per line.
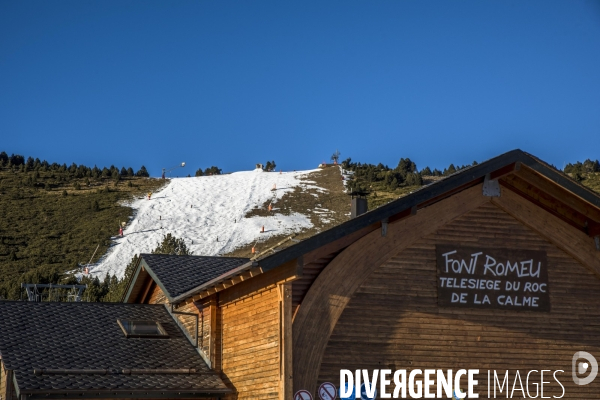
326, 209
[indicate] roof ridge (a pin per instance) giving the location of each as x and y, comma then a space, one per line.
193, 255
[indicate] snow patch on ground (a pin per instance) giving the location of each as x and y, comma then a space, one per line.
346, 176
208, 213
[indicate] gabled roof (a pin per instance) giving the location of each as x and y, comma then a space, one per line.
75, 348
176, 275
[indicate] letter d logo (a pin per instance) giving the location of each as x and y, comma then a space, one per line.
582, 368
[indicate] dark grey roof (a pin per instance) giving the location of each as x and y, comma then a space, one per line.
86, 336
179, 274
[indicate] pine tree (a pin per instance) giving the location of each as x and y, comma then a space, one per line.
406, 166
212, 171
16, 159
142, 172
199, 172
172, 245
450, 170
414, 179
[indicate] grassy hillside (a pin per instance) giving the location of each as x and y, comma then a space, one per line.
592, 180
51, 220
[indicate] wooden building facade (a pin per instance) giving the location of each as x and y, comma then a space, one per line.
496, 267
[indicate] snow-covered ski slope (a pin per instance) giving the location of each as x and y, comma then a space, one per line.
208, 213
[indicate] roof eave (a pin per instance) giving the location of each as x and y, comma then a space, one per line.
130, 284
120, 394
228, 275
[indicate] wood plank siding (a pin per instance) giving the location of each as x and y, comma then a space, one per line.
250, 330
7, 388
155, 295
240, 331
203, 310
2, 381
393, 319
310, 272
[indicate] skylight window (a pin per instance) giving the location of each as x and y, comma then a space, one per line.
142, 329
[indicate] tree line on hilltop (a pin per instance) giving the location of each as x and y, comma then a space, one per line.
17, 162
403, 175
209, 171
269, 167
580, 169
370, 178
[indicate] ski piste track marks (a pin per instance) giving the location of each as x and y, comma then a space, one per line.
202, 209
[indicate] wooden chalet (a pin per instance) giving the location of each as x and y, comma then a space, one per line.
383, 290
376, 292
496, 267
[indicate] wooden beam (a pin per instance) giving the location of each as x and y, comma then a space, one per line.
245, 276
404, 214
337, 245
284, 273
451, 192
544, 200
213, 347
227, 284
509, 169
333, 288
236, 279
9, 384
147, 286
564, 236
593, 228
555, 190
286, 345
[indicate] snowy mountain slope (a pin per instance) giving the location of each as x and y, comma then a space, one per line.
208, 213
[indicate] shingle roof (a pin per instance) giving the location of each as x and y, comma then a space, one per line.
86, 336
179, 274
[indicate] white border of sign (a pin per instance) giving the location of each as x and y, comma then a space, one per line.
330, 385
300, 395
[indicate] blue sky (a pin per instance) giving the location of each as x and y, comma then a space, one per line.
233, 83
